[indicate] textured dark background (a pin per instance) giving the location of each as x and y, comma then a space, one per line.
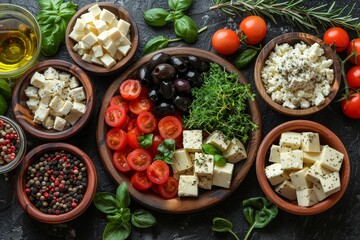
340, 222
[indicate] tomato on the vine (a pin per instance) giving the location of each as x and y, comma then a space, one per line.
158, 172
140, 181
337, 37
254, 28
351, 106
353, 77
225, 41
130, 89
169, 189
354, 46
116, 139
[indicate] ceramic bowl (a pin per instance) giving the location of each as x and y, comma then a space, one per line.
121, 13
24, 115
327, 137
291, 39
33, 155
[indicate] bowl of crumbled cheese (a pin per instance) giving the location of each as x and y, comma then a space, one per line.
297, 74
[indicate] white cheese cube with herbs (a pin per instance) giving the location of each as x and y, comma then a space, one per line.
306, 197
311, 157
37, 80
291, 160
41, 113
72, 118
65, 109
299, 179
95, 10
65, 77
287, 190
192, 140
235, 152
188, 186
51, 73
56, 103
78, 94
203, 164
48, 123
316, 172
330, 183
205, 182
32, 103
331, 158
274, 156
310, 142
73, 82
59, 123
290, 139
218, 140
275, 173
319, 192
31, 92
222, 175
78, 108
181, 161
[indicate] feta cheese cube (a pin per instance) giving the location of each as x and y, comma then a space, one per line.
58, 86
103, 38
32, 103
59, 123
123, 26
89, 39
79, 25
331, 158
96, 60
124, 49
218, 140
51, 73
44, 93
287, 190
311, 157
113, 23
91, 28
290, 139
299, 179
31, 92
111, 49
87, 57
291, 160
37, 80
76, 35
95, 10
222, 175
330, 183
181, 161
106, 15
56, 103
319, 192
65, 109
107, 60
88, 17
124, 40
235, 152
48, 123
114, 34
316, 172
78, 94
306, 197
41, 113
274, 173
192, 140
188, 186
310, 142
100, 25
205, 182
73, 82
97, 49
78, 108
118, 55
72, 118
65, 77
274, 154
203, 164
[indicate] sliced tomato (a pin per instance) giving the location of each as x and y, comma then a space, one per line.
139, 159
127, 121
140, 181
146, 122
131, 125
170, 127
157, 139
118, 100
115, 116
120, 160
169, 189
133, 138
130, 89
140, 104
116, 139
158, 172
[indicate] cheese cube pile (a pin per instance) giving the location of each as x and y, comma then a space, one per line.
101, 38
195, 169
302, 169
57, 99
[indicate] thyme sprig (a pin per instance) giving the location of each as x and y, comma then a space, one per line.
294, 12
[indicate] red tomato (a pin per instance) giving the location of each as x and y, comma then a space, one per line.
146, 122
140, 104
354, 46
115, 116
139, 159
116, 139
140, 181
130, 89
225, 41
158, 172
120, 161
119, 101
353, 77
254, 28
169, 189
351, 106
131, 125
133, 138
125, 125
337, 37
156, 141
170, 127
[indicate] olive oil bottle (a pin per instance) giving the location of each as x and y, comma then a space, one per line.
18, 44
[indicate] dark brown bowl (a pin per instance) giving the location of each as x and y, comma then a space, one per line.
93, 68
178, 205
293, 38
326, 137
23, 114
33, 155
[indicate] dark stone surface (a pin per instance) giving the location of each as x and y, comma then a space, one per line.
340, 222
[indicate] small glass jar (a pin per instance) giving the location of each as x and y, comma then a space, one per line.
11, 11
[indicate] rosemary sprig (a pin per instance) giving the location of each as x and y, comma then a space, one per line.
294, 12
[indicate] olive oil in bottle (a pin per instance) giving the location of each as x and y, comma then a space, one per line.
18, 44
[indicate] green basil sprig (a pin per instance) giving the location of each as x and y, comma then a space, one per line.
156, 17
179, 5
145, 141
223, 225
186, 28
118, 214
166, 151
245, 58
219, 159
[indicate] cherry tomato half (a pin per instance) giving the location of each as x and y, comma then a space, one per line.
353, 77
158, 172
120, 161
140, 181
139, 159
225, 41
170, 127
337, 37
115, 116
146, 122
119, 101
130, 89
169, 189
133, 137
116, 139
140, 104
254, 28
351, 106
354, 46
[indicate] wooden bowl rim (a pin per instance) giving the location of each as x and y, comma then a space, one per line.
93, 68
185, 205
295, 37
326, 135
43, 133
90, 188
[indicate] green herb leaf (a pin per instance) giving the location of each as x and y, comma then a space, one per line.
122, 196
245, 58
105, 202
142, 219
166, 151
156, 17
223, 225
186, 28
116, 231
175, 15
219, 160
3, 105
210, 149
145, 141
156, 43
179, 5
5, 88
114, 217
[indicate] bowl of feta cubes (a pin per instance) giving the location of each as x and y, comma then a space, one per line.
297, 74
102, 38
303, 167
53, 100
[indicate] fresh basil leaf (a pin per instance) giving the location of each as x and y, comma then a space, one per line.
117, 231
173, 16
142, 219
122, 196
156, 43
179, 5
186, 28
210, 149
125, 214
145, 141
114, 217
50, 4
166, 151
221, 225
245, 58
156, 17
45, 18
219, 160
105, 202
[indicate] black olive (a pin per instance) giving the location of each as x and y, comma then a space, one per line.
182, 85
154, 94
164, 72
164, 108
194, 78
198, 64
144, 76
158, 59
182, 102
179, 64
167, 89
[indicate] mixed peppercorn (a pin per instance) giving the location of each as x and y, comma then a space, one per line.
9, 143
